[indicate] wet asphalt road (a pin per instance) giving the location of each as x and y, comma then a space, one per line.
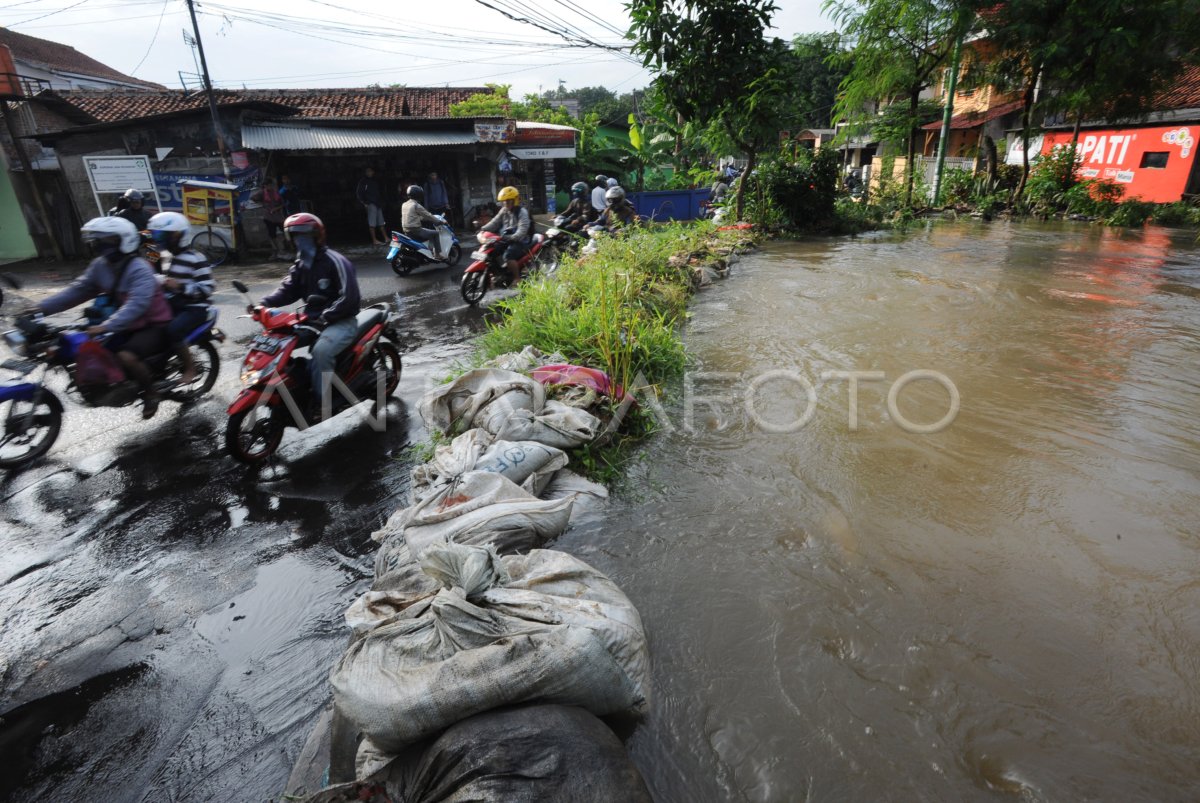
169, 617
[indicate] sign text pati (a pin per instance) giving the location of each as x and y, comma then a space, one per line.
1151, 163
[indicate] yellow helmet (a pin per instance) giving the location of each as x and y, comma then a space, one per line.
508, 194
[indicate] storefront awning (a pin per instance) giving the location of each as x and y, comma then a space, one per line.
320, 138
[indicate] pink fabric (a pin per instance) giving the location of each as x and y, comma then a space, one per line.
567, 374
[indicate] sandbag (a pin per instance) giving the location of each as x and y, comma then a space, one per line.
558, 425
588, 498
482, 507
524, 361
529, 464
523, 753
482, 395
501, 631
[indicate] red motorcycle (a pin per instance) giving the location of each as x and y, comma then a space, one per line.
487, 263
277, 381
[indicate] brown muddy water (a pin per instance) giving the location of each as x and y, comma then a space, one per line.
1006, 608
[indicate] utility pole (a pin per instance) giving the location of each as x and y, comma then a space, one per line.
212, 104
947, 114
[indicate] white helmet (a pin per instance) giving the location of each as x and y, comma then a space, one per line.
614, 195
612, 182
101, 228
169, 223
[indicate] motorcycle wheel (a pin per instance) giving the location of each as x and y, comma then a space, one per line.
253, 435
208, 363
387, 360
547, 260
453, 255
30, 429
474, 286
400, 267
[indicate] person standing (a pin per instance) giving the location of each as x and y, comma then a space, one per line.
370, 196
290, 194
437, 199
274, 212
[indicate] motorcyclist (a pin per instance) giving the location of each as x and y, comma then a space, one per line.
189, 285
579, 212
321, 271
598, 193
131, 209
515, 227
413, 214
618, 212
133, 311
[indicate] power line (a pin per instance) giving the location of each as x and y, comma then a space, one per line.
51, 14
153, 39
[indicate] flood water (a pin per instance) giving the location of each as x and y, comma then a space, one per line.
1005, 608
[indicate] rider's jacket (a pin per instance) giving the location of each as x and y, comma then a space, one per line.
132, 289
332, 276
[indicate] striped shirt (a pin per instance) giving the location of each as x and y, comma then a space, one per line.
191, 269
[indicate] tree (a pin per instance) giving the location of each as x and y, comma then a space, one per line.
899, 51
497, 104
713, 64
1101, 59
819, 66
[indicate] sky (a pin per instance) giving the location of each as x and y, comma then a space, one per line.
355, 43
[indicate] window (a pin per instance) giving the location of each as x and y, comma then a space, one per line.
1154, 159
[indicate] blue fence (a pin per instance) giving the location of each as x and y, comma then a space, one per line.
669, 204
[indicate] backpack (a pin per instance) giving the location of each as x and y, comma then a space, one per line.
96, 366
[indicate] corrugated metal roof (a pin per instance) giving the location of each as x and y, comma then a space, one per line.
321, 138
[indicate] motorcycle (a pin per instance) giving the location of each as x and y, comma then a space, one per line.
275, 377
545, 255
149, 251
406, 253
33, 414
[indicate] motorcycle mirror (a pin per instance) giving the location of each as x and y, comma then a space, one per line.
240, 286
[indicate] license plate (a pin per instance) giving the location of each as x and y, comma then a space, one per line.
478, 255
267, 344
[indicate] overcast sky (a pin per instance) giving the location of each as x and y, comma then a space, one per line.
349, 43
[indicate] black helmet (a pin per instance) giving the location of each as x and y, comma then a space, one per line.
133, 195
579, 190
602, 180
415, 193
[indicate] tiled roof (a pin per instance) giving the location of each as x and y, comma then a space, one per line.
978, 118
311, 104
63, 57
1184, 92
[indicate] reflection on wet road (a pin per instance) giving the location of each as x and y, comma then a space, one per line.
169, 616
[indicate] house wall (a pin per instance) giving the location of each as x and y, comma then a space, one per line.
1119, 155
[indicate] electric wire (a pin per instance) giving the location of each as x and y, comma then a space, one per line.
153, 39
51, 14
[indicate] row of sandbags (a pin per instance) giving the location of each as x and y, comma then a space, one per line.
470, 629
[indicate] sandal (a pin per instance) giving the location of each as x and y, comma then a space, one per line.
149, 407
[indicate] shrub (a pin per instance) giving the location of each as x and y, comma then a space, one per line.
1134, 212
958, 186
1179, 213
799, 194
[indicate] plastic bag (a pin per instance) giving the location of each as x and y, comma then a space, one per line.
96, 366
538, 627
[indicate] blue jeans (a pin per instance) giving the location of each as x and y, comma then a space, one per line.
336, 338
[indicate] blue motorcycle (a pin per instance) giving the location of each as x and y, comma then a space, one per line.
32, 415
406, 253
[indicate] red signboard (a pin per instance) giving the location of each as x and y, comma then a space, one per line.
545, 137
1151, 163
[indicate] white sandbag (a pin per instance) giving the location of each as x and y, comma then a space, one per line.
589, 498
484, 507
529, 464
524, 361
494, 391
503, 630
557, 425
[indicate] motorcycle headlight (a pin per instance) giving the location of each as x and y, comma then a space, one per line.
257, 376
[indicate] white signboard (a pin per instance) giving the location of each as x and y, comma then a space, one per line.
115, 174
1014, 148
543, 153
